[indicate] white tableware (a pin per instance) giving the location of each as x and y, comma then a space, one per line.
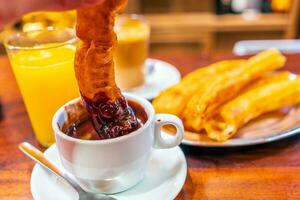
250, 47
267, 128
114, 165
164, 177
159, 76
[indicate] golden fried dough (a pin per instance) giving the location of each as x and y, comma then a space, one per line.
271, 93
174, 99
226, 86
94, 68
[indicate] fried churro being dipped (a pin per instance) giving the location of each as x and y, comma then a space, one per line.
94, 68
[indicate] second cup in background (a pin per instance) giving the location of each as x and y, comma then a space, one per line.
133, 34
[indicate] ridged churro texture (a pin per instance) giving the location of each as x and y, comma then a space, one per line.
221, 98
94, 68
269, 94
173, 100
227, 86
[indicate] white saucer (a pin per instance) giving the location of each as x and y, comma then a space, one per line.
164, 179
159, 76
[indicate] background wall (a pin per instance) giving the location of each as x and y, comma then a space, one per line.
195, 25
205, 25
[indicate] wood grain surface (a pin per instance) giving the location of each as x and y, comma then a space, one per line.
270, 171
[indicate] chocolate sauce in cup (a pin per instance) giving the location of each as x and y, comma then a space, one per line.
81, 126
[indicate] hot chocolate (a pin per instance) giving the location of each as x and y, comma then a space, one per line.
80, 126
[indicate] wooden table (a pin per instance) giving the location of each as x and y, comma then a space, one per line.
269, 171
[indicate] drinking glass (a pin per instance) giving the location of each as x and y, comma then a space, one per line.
133, 33
42, 62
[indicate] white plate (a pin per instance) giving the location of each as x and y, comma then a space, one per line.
164, 179
159, 76
239, 142
267, 128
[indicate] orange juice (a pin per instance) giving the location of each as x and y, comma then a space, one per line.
132, 50
46, 80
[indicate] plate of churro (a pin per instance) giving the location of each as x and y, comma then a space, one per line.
236, 102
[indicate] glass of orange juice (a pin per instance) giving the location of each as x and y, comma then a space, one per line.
42, 62
133, 34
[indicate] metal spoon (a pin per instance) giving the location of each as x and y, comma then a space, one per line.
39, 157
150, 67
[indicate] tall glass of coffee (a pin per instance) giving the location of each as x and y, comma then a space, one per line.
133, 33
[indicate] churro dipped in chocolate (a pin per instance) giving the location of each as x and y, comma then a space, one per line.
108, 109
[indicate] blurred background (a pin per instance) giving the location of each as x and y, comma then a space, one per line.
193, 25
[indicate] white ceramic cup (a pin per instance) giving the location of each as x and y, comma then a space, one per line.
114, 165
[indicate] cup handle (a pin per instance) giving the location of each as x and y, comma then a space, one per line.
166, 119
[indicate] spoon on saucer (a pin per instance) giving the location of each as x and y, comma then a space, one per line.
39, 157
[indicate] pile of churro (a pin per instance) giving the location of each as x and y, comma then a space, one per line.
224, 96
